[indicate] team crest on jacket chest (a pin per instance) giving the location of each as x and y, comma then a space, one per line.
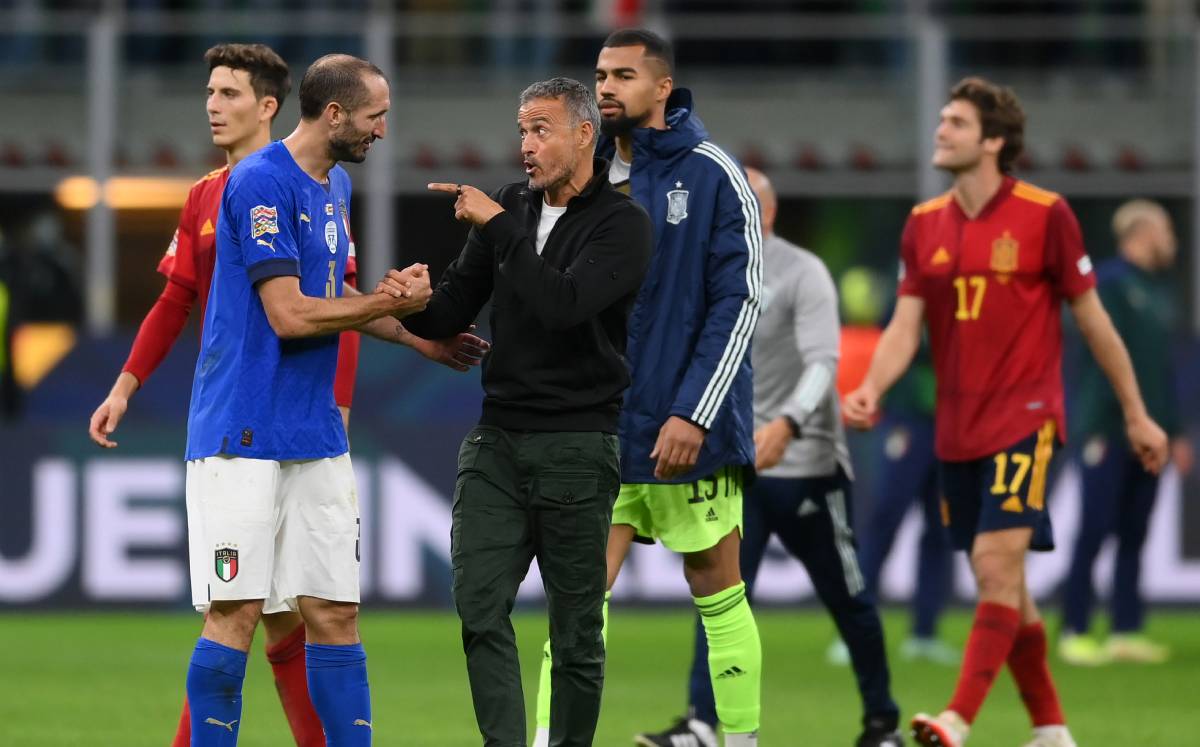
1004, 256
677, 204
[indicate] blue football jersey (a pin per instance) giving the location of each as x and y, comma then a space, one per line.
255, 395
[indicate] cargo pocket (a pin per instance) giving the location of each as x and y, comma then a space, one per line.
479, 441
572, 532
567, 489
567, 503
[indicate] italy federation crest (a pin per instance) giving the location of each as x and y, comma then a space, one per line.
227, 564
677, 204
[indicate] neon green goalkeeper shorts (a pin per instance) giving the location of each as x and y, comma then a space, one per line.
687, 517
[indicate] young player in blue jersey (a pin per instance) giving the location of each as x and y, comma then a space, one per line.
273, 518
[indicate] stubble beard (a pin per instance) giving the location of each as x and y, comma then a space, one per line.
343, 148
555, 179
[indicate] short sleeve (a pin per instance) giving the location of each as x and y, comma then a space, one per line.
178, 263
1067, 263
261, 216
908, 281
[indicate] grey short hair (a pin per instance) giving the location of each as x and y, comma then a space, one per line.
1132, 213
578, 98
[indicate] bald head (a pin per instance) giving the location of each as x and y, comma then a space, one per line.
766, 199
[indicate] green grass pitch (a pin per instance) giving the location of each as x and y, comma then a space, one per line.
117, 679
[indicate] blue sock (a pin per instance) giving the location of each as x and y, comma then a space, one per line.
337, 684
214, 691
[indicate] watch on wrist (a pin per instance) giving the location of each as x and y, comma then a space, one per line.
796, 431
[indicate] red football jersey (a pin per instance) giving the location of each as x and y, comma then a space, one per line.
992, 287
192, 254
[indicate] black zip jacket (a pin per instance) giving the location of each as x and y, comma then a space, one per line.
558, 320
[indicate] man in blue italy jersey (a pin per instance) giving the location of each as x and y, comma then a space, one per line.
273, 519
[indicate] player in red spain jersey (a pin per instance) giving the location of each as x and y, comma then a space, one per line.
986, 267
247, 85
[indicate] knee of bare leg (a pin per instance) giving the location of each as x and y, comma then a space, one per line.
997, 576
705, 578
232, 623
334, 623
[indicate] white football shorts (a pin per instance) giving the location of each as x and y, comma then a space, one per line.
261, 529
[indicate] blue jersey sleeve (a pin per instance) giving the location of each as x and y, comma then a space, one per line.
262, 214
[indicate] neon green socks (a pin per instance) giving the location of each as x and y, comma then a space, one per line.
734, 658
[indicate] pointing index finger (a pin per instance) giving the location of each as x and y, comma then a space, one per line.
442, 187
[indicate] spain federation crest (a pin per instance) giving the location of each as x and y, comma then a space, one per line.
227, 564
677, 204
1005, 255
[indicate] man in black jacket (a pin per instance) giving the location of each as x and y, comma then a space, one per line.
563, 258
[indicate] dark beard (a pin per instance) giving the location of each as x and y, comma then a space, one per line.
614, 127
341, 149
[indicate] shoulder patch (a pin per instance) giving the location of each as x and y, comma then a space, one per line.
264, 219
937, 203
1027, 191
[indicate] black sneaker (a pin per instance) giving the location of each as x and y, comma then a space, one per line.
686, 732
880, 732
877, 738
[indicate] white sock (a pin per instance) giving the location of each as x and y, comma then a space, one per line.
541, 738
1055, 731
703, 732
745, 739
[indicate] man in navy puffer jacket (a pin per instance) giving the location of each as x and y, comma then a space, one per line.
687, 425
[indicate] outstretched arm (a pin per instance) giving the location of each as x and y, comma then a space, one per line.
155, 338
1146, 438
892, 357
460, 351
292, 314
